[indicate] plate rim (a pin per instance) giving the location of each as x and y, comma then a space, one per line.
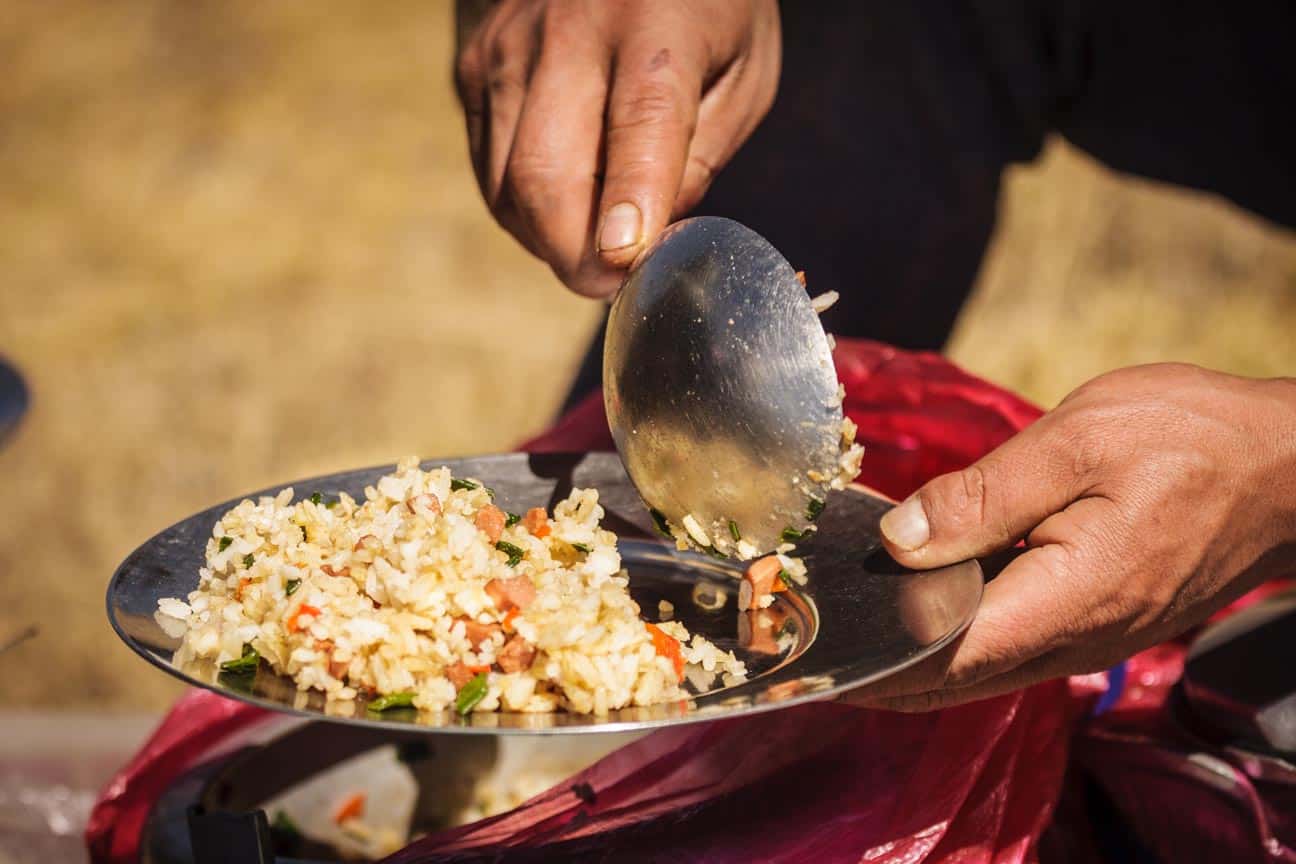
692, 716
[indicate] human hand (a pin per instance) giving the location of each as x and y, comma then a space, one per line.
1148, 499
594, 123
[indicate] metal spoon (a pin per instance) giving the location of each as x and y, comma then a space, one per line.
720, 388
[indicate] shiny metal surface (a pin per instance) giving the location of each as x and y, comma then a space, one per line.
1234, 692
719, 382
860, 618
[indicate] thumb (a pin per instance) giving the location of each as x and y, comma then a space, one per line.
990, 504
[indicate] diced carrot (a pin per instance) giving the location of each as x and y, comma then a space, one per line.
536, 521
800, 276
243, 583
352, 808
508, 619
667, 646
490, 519
293, 623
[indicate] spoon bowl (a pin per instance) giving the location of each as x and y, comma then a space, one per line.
719, 385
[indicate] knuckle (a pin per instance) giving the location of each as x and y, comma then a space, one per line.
654, 103
531, 175
957, 502
468, 73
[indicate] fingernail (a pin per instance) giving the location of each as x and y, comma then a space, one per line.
906, 525
622, 225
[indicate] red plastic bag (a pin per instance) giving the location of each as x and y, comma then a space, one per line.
821, 782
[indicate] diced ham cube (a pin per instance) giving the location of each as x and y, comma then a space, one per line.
536, 521
477, 632
460, 674
518, 592
762, 576
758, 630
516, 655
490, 520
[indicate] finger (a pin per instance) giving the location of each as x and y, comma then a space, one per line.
1055, 665
512, 46
470, 84
554, 162
997, 500
1042, 602
652, 112
730, 111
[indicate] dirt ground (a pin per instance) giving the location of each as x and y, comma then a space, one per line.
240, 243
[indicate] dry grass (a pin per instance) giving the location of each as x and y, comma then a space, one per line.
240, 244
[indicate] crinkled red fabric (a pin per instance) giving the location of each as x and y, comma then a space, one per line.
822, 782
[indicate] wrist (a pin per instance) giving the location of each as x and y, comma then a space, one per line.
1281, 440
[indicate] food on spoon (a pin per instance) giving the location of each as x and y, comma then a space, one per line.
398, 602
723, 537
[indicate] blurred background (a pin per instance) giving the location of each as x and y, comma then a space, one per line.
240, 243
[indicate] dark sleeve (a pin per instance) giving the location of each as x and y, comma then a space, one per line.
1198, 94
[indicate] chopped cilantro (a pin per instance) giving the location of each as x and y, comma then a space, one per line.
224, 543
247, 560
733, 531
291, 586
391, 700
514, 553
814, 508
459, 485
244, 664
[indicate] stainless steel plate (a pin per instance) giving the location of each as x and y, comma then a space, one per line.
862, 616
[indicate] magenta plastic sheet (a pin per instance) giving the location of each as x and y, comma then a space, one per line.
828, 782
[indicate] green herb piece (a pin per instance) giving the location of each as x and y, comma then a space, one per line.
247, 560
472, 693
243, 665
391, 700
291, 586
733, 531
514, 553
224, 543
584, 547
284, 825
332, 502
792, 535
786, 577
316, 498
459, 485
814, 508
715, 553
490, 492
511, 519
659, 520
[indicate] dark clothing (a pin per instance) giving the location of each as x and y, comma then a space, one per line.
877, 170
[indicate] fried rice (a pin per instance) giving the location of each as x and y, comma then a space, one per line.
428, 595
